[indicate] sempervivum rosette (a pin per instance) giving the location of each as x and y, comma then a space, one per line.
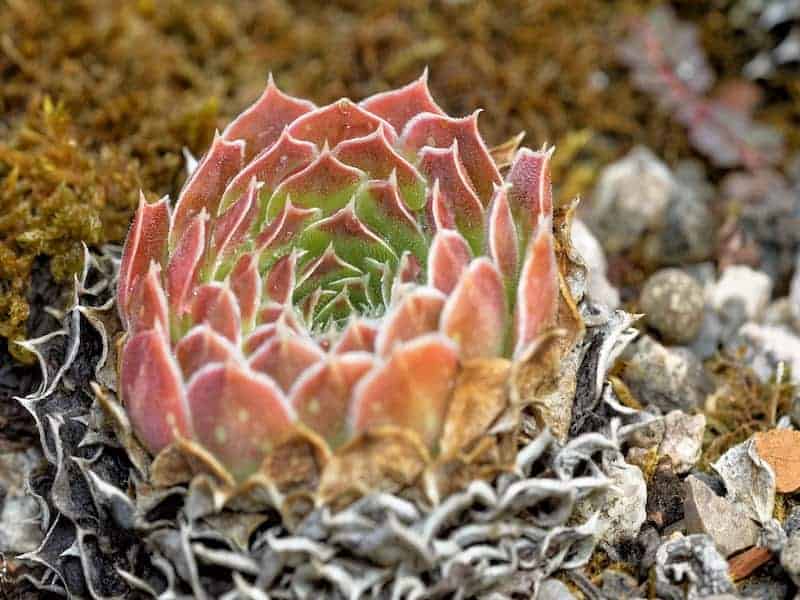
357, 276
346, 365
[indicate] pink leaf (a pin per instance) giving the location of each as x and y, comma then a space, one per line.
285, 357
358, 336
332, 124
374, 155
215, 304
183, 268
200, 347
537, 294
204, 188
322, 395
399, 106
503, 247
259, 336
441, 131
149, 306
245, 283
240, 416
440, 212
531, 193
261, 124
412, 389
447, 260
280, 282
444, 165
416, 314
152, 391
285, 226
234, 224
475, 314
284, 158
146, 242
327, 183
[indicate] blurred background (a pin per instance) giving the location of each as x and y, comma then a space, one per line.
98, 99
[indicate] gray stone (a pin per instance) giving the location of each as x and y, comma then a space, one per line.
690, 567
553, 589
683, 440
739, 284
790, 557
19, 512
794, 296
728, 525
669, 378
673, 304
685, 232
639, 186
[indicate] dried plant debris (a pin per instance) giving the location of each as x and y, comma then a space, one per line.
110, 533
668, 62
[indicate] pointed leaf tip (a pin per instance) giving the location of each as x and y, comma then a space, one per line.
146, 243
261, 124
399, 106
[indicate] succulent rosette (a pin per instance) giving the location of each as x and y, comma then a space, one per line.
366, 280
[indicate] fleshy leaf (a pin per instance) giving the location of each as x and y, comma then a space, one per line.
146, 242
149, 309
284, 158
374, 155
416, 314
232, 226
475, 314
444, 165
327, 183
280, 282
200, 347
321, 396
184, 264
206, 185
285, 226
245, 283
152, 390
399, 106
537, 294
358, 336
261, 124
284, 357
332, 124
503, 247
448, 258
441, 131
411, 389
215, 304
240, 416
530, 193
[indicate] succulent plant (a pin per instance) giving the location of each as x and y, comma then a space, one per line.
347, 363
336, 273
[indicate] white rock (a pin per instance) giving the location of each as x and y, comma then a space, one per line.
598, 287
744, 285
771, 345
683, 440
621, 509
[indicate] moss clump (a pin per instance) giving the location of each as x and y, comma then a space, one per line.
741, 405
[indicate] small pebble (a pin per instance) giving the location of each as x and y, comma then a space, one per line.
743, 286
673, 304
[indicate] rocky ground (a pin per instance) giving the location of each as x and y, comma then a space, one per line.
686, 157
